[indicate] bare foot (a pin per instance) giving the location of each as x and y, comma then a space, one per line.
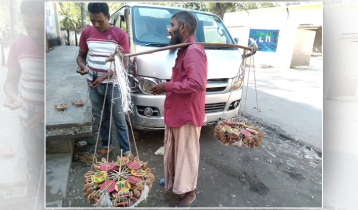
188, 198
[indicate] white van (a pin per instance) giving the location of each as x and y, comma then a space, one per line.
147, 29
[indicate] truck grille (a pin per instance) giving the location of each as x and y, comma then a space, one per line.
216, 85
218, 107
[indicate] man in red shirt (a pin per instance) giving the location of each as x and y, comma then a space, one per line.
184, 109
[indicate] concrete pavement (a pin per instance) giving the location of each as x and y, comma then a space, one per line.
13, 187
289, 99
63, 85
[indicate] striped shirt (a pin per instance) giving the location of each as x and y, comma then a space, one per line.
100, 45
28, 57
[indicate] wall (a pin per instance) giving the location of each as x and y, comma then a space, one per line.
52, 25
68, 37
285, 19
317, 46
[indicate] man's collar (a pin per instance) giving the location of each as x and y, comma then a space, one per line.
188, 40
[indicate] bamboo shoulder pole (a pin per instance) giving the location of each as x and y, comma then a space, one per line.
184, 45
187, 44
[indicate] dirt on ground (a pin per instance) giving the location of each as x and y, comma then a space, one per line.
281, 172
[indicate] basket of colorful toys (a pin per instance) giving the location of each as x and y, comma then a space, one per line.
238, 134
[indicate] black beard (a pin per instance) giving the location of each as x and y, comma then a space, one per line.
173, 41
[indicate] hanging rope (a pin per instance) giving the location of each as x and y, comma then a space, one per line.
243, 81
247, 86
135, 145
121, 80
251, 63
100, 122
241, 69
123, 84
257, 102
110, 129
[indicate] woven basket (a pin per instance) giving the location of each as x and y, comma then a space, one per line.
238, 134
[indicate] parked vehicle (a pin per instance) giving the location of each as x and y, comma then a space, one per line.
147, 28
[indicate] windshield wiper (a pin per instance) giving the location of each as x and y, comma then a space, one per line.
217, 47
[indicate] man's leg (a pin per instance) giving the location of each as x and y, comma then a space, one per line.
169, 158
186, 165
33, 141
119, 120
97, 98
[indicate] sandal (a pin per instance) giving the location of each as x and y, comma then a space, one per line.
186, 205
103, 151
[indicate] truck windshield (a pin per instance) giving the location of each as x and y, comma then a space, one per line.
151, 25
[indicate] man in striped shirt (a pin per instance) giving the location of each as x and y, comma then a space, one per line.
97, 43
26, 67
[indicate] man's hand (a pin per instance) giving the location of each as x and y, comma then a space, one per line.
158, 89
82, 69
97, 82
34, 121
253, 45
12, 102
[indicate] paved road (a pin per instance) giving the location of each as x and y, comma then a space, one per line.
280, 173
290, 99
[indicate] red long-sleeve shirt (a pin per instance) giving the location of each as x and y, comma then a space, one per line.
185, 98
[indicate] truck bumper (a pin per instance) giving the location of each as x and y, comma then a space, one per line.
142, 122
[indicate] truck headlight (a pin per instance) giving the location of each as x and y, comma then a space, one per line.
237, 83
145, 83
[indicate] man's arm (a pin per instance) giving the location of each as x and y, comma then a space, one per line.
195, 65
10, 89
81, 61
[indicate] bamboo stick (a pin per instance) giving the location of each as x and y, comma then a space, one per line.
183, 45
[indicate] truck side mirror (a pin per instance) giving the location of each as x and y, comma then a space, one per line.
236, 40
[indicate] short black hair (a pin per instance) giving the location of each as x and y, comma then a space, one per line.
96, 8
188, 18
32, 8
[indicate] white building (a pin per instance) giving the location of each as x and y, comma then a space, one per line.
287, 36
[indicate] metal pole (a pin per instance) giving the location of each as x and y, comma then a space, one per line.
68, 37
2, 54
2, 49
76, 37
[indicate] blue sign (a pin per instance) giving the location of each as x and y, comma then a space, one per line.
266, 40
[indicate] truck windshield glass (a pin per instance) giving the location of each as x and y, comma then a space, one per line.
151, 27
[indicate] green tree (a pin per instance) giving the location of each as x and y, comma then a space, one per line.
266, 4
199, 6
70, 14
13, 13
114, 6
220, 8
7, 32
249, 6
291, 3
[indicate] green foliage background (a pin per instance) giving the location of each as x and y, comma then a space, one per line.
70, 13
